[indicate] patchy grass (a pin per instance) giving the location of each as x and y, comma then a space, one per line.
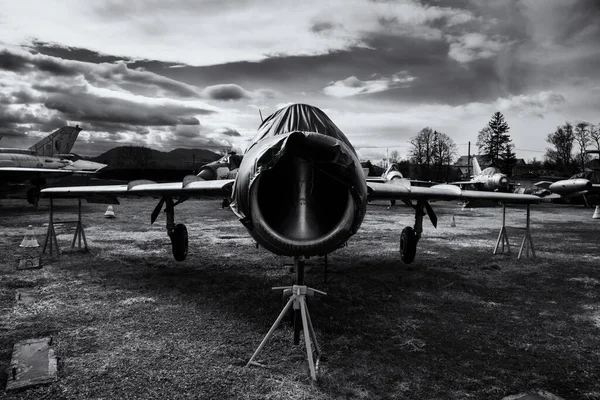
459, 323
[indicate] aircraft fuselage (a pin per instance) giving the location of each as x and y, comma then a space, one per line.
31, 161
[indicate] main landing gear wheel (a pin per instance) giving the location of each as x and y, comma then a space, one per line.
33, 196
179, 242
408, 245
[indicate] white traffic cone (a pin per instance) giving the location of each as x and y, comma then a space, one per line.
110, 213
453, 222
29, 240
596, 213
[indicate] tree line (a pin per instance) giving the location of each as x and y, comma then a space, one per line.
434, 151
561, 156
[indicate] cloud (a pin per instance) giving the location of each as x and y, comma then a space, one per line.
474, 46
226, 92
535, 104
228, 132
353, 86
164, 32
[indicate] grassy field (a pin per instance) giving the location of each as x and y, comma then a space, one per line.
130, 322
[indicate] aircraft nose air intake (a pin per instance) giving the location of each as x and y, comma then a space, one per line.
301, 220
500, 181
307, 195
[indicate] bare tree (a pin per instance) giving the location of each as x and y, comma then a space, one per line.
422, 148
595, 135
582, 137
562, 139
433, 151
394, 155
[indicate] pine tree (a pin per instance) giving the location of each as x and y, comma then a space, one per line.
508, 159
495, 143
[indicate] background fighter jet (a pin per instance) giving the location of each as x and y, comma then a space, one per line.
490, 179
570, 188
299, 191
24, 171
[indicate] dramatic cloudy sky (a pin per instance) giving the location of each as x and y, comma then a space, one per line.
186, 73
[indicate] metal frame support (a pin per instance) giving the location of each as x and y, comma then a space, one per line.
79, 232
298, 295
503, 235
527, 243
51, 242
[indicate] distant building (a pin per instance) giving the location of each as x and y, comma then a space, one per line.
593, 164
484, 162
463, 167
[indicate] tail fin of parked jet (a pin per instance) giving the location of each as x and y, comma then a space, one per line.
476, 167
58, 142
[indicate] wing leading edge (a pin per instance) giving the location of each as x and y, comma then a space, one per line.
187, 188
401, 189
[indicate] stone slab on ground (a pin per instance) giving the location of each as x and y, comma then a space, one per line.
33, 363
29, 262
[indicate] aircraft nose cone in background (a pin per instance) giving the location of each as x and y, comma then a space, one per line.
83, 165
503, 181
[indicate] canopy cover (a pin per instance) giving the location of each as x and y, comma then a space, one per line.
301, 118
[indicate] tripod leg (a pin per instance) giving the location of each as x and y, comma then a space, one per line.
275, 325
311, 363
299, 267
311, 330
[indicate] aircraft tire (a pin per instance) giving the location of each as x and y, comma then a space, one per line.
408, 245
33, 196
179, 242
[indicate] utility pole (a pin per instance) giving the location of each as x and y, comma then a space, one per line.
469, 161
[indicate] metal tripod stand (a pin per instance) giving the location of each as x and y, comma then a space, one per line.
297, 299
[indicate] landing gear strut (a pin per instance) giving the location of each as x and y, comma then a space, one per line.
410, 236
177, 232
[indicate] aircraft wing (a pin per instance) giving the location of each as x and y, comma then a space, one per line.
401, 189
463, 183
24, 174
187, 188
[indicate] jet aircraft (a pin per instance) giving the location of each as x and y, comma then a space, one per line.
490, 179
569, 188
27, 170
300, 190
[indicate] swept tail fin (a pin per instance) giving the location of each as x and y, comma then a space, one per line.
476, 167
60, 141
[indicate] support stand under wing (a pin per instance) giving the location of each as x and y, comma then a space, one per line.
527, 243
503, 235
51, 243
527, 247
